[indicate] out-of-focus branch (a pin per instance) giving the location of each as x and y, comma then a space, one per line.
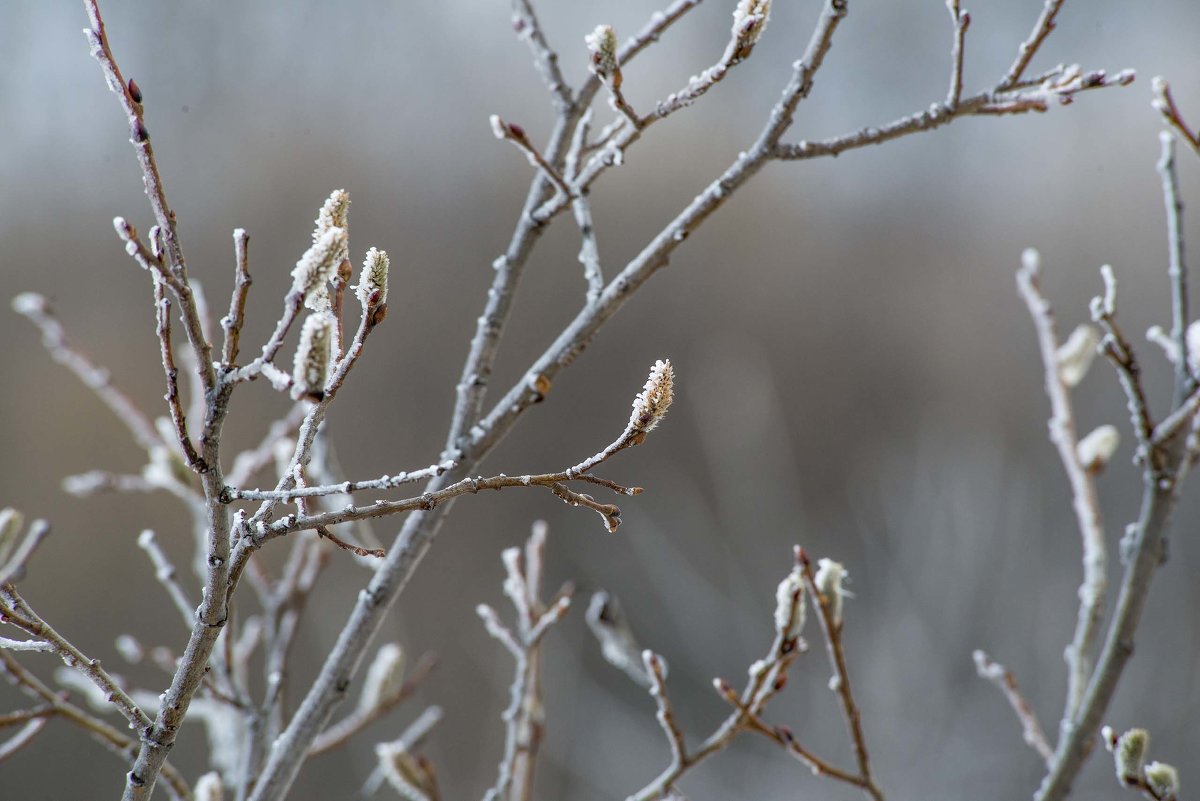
1031, 729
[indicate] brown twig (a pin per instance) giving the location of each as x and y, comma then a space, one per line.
1031, 729
1164, 103
232, 323
162, 307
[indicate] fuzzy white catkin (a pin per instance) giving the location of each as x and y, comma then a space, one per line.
1130, 753
1163, 779
1075, 356
789, 619
651, 404
829, 578
384, 678
750, 19
1097, 448
318, 265
334, 213
209, 788
602, 44
311, 365
1193, 345
374, 277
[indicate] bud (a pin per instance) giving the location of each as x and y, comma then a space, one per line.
1163, 779
333, 214
1097, 448
312, 356
1193, 345
373, 278
317, 267
384, 678
209, 788
651, 404
829, 578
1129, 754
12, 523
789, 605
1075, 355
602, 44
749, 21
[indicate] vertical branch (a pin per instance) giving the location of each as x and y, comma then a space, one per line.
1177, 269
231, 323
1083, 490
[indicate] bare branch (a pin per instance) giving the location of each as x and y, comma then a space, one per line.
382, 483
1004, 680
1177, 269
1029, 48
162, 308
232, 323
961, 20
1164, 104
527, 26
166, 574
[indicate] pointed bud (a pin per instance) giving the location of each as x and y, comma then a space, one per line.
312, 357
1075, 355
1097, 448
317, 267
651, 404
373, 279
789, 605
829, 578
384, 678
1163, 779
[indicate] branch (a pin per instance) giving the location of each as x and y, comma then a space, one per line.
383, 483
1177, 269
1079, 653
1004, 680
166, 574
527, 27
1164, 104
232, 323
961, 20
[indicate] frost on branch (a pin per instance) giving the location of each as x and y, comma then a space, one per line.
789, 605
1076, 354
829, 579
749, 21
334, 213
317, 267
602, 44
651, 404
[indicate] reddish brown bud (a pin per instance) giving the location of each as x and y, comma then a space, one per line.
135, 92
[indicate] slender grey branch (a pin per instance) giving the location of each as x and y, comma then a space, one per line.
382, 483
14, 567
665, 715
527, 26
1029, 48
22, 738
961, 20
1086, 504
162, 307
1165, 105
1177, 269
166, 574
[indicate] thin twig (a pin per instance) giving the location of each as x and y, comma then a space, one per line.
162, 307
166, 574
527, 26
1164, 103
1177, 269
382, 483
231, 323
1086, 504
511, 132
832, 629
14, 568
1029, 48
665, 715
961, 20
1120, 352
22, 738
1031, 729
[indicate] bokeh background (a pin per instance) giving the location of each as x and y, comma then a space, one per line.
855, 370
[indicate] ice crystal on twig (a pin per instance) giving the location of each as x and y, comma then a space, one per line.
789, 605
829, 578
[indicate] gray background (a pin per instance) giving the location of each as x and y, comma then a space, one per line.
855, 370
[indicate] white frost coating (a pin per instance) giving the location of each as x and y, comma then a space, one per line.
651, 404
1193, 345
1097, 448
311, 364
374, 277
1031, 260
1075, 355
789, 617
750, 19
829, 578
602, 44
835, 683
145, 539
334, 213
318, 266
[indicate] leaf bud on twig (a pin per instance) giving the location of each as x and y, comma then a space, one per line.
789, 605
1097, 448
829, 578
384, 678
312, 357
1163, 779
651, 404
317, 267
602, 44
1129, 754
1075, 356
372, 282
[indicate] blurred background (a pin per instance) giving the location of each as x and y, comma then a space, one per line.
855, 371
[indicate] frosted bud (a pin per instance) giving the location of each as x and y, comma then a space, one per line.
384, 678
789, 605
602, 44
1130, 753
1075, 355
1097, 448
29, 303
333, 214
209, 787
373, 278
749, 21
651, 404
829, 578
1193, 345
318, 266
312, 356
12, 523
1163, 779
